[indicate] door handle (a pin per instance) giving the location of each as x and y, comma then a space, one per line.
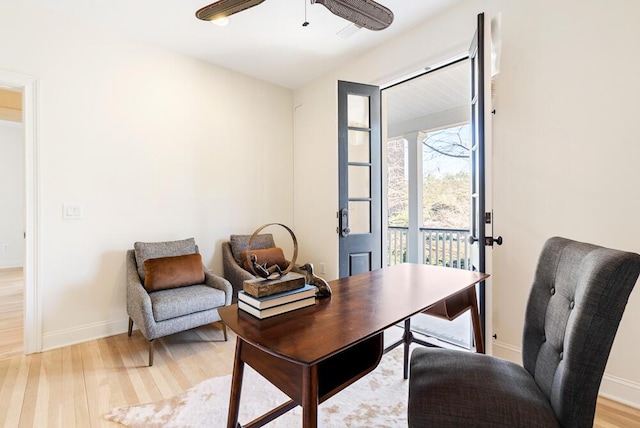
343, 220
488, 240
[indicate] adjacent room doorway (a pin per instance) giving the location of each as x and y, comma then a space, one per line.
11, 224
27, 87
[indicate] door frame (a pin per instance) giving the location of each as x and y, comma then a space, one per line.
488, 184
414, 254
32, 313
478, 229
461, 53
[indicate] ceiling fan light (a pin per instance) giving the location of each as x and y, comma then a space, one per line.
220, 22
224, 9
364, 13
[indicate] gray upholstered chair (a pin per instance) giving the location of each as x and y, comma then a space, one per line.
232, 258
575, 305
171, 310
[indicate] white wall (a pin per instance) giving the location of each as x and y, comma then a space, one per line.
315, 124
565, 147
154, 146
158, 146
566, 153
11, 194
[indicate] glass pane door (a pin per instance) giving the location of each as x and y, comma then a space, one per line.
359, 178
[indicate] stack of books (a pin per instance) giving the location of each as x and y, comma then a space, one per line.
276, 304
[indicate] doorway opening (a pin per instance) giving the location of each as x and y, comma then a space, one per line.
427, 176
27, 87
11, 224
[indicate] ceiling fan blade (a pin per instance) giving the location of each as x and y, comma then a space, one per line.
364, 13
225, 8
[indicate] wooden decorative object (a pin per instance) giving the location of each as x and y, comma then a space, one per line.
261, 287
272, 282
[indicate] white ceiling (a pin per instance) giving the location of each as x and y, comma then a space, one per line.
437, 92
267, 41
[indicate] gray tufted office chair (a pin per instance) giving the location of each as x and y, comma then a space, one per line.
575, 306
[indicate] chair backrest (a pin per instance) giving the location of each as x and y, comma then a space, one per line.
576, 302
151, 250
239, 244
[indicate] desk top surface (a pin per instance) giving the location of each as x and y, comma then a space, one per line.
360, 307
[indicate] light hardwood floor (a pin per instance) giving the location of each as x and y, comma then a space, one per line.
76, 385
11, 315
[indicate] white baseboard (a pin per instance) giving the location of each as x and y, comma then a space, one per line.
84, 333
615, 388
621, 390
508, 352
10, 264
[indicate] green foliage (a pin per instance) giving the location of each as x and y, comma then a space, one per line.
445, 183
446, 201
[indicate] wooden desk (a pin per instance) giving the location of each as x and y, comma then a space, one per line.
315, 352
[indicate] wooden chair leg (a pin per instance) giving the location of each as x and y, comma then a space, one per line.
150, 353
224, 330
130, 326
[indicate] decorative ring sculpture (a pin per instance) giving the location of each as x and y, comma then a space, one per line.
292, 263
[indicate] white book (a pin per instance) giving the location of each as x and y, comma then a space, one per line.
276, 310
277, 299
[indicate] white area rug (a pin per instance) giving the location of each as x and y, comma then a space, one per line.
377, 400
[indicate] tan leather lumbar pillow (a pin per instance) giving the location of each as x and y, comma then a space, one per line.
270, 256
172, 272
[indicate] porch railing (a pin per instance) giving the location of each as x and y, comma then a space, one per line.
441, 247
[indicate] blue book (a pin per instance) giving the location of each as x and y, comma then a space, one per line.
279, 298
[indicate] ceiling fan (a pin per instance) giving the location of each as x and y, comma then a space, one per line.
363, 13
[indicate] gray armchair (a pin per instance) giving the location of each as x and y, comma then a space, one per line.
232, 259
575, 306
167, 311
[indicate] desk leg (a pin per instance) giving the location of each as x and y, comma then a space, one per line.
407, 338
475, 320
310, 396
236, 386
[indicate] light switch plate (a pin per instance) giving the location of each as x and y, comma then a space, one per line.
71, 212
